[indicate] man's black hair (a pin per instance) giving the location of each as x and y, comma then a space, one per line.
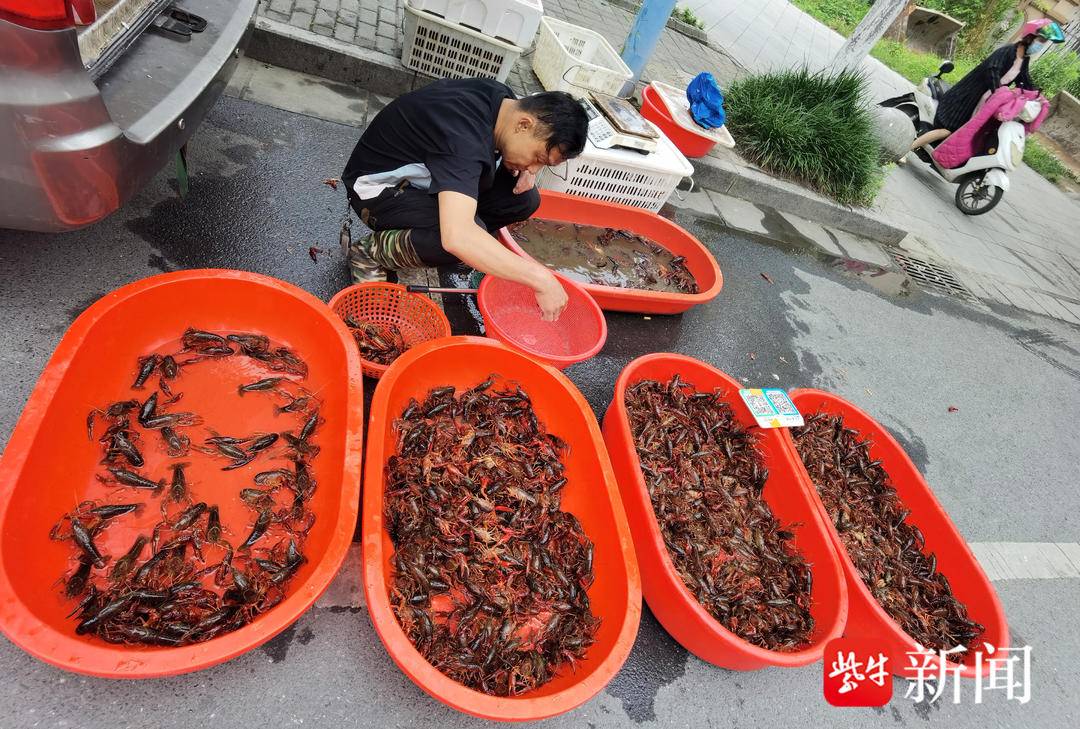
565, 119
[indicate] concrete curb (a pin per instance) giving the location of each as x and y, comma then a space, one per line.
284, 45
723, 171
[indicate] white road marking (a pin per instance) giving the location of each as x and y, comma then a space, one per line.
1000, 560
1028, 560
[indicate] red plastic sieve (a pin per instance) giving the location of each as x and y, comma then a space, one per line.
512, 317
418, 318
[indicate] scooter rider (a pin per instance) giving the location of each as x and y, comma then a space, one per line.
1006, 66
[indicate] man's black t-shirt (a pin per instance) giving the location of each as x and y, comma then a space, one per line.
440, 137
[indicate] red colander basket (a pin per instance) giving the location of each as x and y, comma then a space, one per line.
418, 317
512, 317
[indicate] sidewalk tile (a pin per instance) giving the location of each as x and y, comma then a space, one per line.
697, 201
995, 289
816, 233
861, 249
1008, 272
300, 20
975, 284
1054, 307
738, 214
1034, 250
963, 248
1073, 306
1023, 299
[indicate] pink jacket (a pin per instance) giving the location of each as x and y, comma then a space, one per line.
1004, 104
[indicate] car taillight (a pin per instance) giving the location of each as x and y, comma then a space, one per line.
84, 11
41, 14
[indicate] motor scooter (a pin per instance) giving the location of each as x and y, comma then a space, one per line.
983, 179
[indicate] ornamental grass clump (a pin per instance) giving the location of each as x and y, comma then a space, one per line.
812, 127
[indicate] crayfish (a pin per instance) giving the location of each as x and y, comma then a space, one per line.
182, 580
379, 342
705, 475
888, 551
605, 256
490, 576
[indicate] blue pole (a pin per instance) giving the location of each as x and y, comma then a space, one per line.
644, 35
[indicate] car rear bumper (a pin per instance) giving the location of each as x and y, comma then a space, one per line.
81, 150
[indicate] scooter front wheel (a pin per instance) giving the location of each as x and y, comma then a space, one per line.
974, 197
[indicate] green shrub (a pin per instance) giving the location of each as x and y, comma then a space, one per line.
916, 66
1045, 162
843, 15
840, 15
1055, 71
1074, 87
811, 127
981, 18
687, 16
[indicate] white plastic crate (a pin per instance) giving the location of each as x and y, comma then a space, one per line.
514, 21
622, 176
436, 47
577, 60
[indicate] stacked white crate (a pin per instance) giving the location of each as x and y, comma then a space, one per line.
468, 38
580, 61
514, 21
622, 176
577, 60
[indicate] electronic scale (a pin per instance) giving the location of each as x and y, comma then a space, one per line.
613, 122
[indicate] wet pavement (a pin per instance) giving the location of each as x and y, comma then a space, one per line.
1003, 465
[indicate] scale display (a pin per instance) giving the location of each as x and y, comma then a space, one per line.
625, 128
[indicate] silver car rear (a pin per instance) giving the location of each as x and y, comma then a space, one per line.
88, 115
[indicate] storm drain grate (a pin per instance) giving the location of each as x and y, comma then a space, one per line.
932, 275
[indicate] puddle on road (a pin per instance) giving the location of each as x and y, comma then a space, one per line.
783, 236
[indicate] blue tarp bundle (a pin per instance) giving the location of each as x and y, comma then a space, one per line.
706, 101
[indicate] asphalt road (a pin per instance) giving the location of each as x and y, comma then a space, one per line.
1004, 465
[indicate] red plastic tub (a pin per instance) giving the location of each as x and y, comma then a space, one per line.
954, 559
690, 144
559, 206
673, 604
591, 495
49, 464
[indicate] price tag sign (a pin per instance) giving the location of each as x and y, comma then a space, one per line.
772, 408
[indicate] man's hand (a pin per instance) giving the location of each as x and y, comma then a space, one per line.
462, 237
525, 182
551, 297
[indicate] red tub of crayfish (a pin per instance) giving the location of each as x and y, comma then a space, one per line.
927, 527
565, 209
822, 593
141, 528
449, 376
